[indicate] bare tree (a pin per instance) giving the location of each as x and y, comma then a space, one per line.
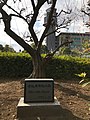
39, 63
86, 13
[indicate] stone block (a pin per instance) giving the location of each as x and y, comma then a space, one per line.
38, 111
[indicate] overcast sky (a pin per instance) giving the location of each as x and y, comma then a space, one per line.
19, 26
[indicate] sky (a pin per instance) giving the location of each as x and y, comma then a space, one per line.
20, 27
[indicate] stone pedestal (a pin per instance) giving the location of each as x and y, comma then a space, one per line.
38, 111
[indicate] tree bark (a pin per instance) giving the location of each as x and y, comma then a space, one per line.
38, 66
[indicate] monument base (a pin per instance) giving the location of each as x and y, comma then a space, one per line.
38, 111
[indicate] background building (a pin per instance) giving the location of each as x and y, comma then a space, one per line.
77, 38
51, 41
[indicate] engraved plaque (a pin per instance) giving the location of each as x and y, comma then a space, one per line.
39, 90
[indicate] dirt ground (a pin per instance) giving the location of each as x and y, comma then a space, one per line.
73, 99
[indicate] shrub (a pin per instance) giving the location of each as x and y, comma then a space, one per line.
65, 67
15, 65
60, 67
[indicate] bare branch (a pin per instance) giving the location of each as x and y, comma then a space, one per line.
65, 43
18, 39
63, 11
85, 12
64, 24
22, 10
51, 54
1, 18
88, 24
58, 28
6, 18
36, 11
2, 3
33, 20
34, 36
18, 14
33, 5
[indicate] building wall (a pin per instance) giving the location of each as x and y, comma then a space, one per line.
77, 38
51, 41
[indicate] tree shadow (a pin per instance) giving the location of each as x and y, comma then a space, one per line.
66, 114
69, 91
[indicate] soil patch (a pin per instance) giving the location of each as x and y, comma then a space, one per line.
73, 99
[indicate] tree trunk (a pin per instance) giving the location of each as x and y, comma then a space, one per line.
38, 66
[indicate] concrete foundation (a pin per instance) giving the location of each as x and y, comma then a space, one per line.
38, 111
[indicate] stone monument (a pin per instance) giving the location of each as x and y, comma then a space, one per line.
38, 102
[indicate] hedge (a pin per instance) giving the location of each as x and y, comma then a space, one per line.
65, 67
60, 67
15, 64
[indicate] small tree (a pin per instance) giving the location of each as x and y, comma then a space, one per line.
30, 18
65, 50
86, 11
1, 47
7, 48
